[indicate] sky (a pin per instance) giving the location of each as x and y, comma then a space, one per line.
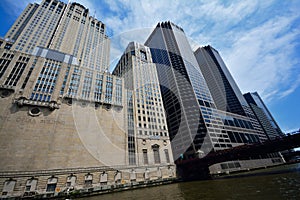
258, 40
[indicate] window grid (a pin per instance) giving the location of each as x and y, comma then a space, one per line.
75, 82
17, 71
4, 62
45, 84
98, 87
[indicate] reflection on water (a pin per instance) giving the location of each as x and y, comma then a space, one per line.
276, 183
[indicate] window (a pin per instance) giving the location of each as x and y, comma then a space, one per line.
118, 177
16, 72
108, 92
46, 82
167, 155
145, 156
4, 62
132, 175
87, 84
31, 185
35, 111
71, 181
51, 184
143, 55
156, 153
8, 187
103, 178
88, 180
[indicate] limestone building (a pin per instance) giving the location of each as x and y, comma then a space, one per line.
63, 116
68, 28
67, 123
148, 136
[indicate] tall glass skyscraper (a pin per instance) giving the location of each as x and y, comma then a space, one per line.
66, 122
205, 108
183, 89
223, 88
263, 115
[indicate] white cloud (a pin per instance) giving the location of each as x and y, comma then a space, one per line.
257, 39
261, 59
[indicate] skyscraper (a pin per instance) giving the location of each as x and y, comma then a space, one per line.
63, 115
56, 29
263, 115
205, 109
183, 89
66, 122
222, 86
229, 98
67, 28
148, 137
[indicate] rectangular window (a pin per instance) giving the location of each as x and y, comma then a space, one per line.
51, 184
156, 156
9, 186
51, 187
143, 55
145, 156
46, 82
167, 155
88, 180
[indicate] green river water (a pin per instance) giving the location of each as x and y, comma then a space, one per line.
281, 182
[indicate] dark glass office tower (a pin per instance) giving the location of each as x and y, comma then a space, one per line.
183, 89
222, 86
263, 115
194, 123
201, 118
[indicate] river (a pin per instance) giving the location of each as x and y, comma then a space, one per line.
281, 182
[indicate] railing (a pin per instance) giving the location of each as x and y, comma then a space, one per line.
294, 132
72, 170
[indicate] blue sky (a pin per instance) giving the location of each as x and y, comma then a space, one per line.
258, 40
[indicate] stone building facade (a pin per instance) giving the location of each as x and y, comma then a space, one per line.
60, 120
67, 28
146, 120
66, 123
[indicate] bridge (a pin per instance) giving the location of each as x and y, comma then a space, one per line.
198, 168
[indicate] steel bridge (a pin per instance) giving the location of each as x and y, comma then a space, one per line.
198, 168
